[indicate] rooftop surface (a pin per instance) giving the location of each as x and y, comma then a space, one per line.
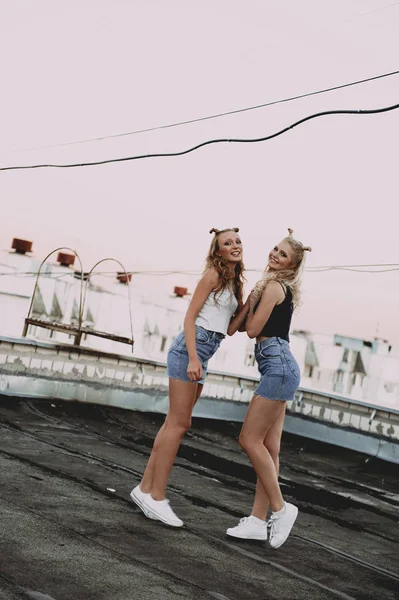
69, 530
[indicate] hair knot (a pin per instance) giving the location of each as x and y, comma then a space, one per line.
217, 231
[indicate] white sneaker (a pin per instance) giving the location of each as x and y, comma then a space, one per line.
138, 498
160, 509
249, 528
280, 525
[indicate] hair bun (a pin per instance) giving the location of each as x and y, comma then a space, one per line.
216, 231
290, 231
307, 249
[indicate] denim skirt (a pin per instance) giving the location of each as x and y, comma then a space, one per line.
207, 342
280, 375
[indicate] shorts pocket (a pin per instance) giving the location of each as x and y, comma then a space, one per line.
202, 336
270, 352
294, 369
177, 342
293, 365
271, 366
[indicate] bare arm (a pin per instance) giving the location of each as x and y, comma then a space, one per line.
237, 322
272, 295
208, 282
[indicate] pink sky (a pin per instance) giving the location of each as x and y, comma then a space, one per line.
78, 70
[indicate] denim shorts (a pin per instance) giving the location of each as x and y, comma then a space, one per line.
207, 342
280, 375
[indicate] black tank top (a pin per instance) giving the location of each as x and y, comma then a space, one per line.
278, 324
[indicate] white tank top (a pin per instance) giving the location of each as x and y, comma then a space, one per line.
216, 315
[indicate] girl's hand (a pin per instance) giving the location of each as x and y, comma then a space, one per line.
253, 297
194, 369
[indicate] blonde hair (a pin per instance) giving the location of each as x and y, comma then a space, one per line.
227, 280
290, 278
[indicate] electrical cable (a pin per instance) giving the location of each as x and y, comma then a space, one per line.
208, 142
371, 268
222, 114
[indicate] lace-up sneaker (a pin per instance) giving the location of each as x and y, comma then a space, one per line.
249, 528
160, 510
280, 524
138, 498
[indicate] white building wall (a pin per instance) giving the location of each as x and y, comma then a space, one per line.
12, 313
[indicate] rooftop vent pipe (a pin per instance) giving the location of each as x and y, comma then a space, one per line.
21, 246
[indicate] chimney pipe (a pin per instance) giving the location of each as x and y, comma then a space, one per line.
122, 278
65, 259
180, 292
21, 246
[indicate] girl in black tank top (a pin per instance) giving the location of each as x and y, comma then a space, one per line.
278, 324
270, 306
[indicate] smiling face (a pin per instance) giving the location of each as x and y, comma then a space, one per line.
230, 247
281, 257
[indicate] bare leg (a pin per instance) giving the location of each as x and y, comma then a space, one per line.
182, 399
260, 417
272, 442
146, 482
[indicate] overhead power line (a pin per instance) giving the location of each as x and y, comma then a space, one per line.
206, 143
222, 114
370, 12
371, 268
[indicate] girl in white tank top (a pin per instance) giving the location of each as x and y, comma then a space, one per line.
216, 309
